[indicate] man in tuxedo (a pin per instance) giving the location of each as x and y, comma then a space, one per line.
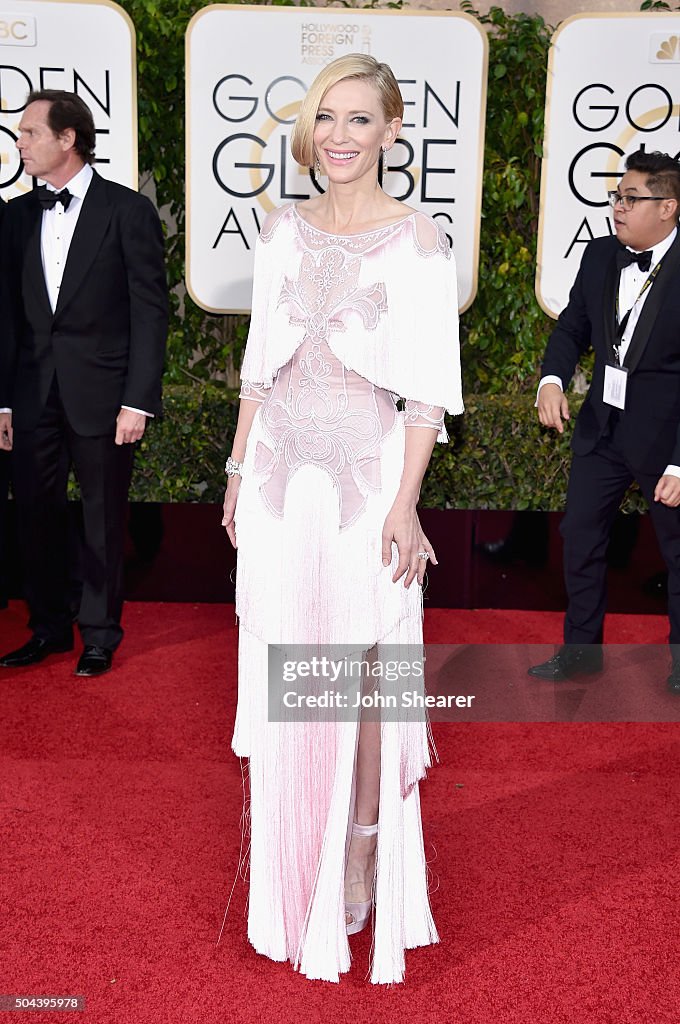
625, 303
86, 302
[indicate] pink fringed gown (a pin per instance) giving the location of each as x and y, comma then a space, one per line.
340, 326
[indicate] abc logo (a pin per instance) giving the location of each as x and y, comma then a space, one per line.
13, 30
16, 30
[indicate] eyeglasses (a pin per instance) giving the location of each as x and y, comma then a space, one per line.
628, 202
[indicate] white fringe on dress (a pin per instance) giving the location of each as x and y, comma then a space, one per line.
301, 580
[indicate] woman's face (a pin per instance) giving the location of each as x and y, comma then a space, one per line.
351, 130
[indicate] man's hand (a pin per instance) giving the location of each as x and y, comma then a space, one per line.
553, 407
129, 426
667, 491
6, 432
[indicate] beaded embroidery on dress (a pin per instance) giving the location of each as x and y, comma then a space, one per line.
319, 412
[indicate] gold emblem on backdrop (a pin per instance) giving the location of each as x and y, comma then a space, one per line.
670, 49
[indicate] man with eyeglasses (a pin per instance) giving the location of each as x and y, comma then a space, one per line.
625, 303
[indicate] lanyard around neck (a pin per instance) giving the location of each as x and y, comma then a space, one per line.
622, 324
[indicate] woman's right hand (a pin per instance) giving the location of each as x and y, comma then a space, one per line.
229, 507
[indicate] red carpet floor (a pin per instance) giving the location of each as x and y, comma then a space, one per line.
554, 849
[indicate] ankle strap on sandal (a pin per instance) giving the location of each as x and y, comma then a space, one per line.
364, 830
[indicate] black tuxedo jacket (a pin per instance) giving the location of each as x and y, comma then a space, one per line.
106, 339
651, 420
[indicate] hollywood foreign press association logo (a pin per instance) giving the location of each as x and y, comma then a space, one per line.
323, 41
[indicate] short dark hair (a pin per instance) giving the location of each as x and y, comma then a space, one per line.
67, 110
663, 172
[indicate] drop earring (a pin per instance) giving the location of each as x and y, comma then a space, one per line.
385, 168
317, 167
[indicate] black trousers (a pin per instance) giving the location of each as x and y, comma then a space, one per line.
41, 461
597, 484
4, 553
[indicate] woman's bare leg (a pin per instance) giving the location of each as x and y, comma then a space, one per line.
368, 773
360, 868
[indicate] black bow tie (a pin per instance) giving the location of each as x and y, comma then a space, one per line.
49, 199
625, 257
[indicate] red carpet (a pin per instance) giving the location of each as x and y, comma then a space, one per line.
553, 847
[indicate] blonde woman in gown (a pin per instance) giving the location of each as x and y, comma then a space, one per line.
354, 304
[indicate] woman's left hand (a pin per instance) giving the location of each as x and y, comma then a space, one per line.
402, 527
229, 507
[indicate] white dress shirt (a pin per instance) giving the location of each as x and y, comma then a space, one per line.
57, 230
631, 282
56, 234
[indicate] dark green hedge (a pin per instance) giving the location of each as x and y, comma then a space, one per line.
499, 457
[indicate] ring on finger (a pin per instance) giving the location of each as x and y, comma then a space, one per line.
424, 554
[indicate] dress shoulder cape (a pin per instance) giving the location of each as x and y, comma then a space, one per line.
401, 334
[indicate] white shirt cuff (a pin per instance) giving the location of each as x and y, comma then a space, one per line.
549, 379
668, 471
5, 410
140, 411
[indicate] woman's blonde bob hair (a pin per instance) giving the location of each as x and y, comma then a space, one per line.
353, 65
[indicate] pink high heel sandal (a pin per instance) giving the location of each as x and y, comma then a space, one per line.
359, 913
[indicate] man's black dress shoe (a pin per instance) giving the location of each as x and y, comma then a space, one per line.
674, 679
94, 661
36, 650
569, 661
